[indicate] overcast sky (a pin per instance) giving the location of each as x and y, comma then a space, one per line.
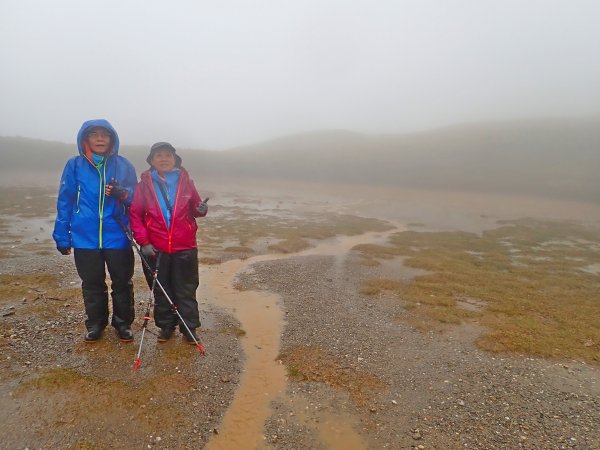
217, 74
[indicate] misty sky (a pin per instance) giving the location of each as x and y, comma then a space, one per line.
217, 74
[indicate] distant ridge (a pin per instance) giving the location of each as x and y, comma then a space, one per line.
551, 157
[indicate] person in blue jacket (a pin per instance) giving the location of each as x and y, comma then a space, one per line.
95, 188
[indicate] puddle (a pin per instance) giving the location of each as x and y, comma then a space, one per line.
594, 269
264, 379
338, 432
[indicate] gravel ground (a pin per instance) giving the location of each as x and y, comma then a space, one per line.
176, 399
437, 390
440, 391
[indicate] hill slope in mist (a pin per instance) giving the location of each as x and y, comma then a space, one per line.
556, 158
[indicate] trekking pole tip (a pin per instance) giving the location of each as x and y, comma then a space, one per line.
137, 364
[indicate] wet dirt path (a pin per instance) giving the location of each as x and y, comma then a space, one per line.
264, 379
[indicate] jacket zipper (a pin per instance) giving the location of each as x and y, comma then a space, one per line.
101, 201
173, 213
78, 196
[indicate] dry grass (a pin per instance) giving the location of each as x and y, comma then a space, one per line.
290, 245
312, 364
527, 275
377, 286
235, 331
55, 378
177, 351
74, 390
238, 227
210, 260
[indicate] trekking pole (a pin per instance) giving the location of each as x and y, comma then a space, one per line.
173, 306
147, 314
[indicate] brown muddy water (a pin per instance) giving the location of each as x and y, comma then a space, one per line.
264, 379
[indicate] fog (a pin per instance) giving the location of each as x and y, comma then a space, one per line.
223, 74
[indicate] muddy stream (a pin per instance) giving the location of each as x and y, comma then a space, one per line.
264, 378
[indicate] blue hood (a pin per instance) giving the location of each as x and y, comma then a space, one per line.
97, 123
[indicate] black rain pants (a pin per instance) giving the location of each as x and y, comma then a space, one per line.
91, 264
178, 274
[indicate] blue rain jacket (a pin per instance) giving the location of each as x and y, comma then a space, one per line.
86, 218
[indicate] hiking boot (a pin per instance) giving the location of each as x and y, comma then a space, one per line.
165, 334
125, 334
93, 335
189, 337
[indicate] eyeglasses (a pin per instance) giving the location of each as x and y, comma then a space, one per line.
97, 134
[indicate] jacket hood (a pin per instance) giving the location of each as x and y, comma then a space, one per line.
87, 125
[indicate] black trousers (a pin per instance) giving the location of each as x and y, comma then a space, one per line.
91, 269
178, 274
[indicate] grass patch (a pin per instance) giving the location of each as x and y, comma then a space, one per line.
527, 275
210, 260
178, 351
231, 330
53, 379
235, 226
239, 249
41, 290
312, 364
75, 390
377, 286
290, 245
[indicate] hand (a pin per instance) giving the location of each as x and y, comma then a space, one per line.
115, 190
64, 250
203, 207
149, 250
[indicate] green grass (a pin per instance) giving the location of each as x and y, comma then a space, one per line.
527, 275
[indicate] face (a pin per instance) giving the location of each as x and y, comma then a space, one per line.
99, 140
163, 160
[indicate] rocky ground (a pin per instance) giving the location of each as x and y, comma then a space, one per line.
438, 390
373, 381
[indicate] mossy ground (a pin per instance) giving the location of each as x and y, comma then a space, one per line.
527, 281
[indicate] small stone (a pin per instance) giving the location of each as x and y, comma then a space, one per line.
460, 403
225, 378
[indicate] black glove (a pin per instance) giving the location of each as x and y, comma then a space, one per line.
64, 250
115, 190
149, 250
203, 207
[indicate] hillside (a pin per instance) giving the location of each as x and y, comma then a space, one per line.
556, 158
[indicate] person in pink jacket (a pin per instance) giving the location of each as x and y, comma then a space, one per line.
163, 220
